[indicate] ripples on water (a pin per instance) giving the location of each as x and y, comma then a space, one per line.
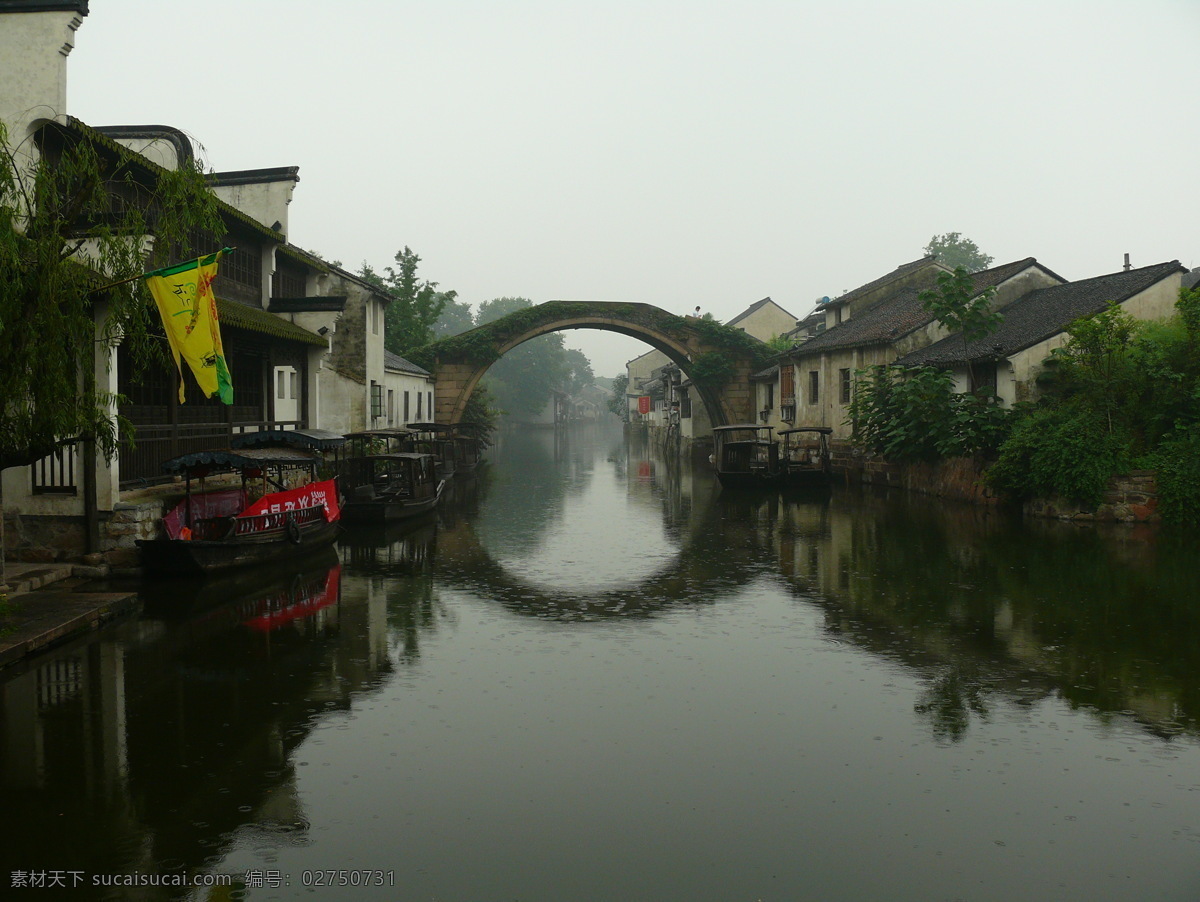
595, 676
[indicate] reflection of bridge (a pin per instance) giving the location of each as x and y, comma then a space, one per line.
716, 558
699, 347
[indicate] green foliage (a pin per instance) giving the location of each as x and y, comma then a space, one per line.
915, 414
579, 371
780, 344
73, 216
1091, 423
618, 403
954, 250
456, 317
711, 370
1176, 462
416, 305
1096, 365
1066, 450
956, 305
481, 409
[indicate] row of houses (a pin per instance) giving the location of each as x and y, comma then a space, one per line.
304, 338
884, 322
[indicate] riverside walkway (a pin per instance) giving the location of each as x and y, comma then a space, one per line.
49, 605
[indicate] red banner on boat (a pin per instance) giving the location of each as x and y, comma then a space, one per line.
315, 494
644, 404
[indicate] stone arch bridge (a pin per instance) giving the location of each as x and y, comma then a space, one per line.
718, 359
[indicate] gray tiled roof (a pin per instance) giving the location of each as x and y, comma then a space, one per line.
1041, 314
396, 362
902, 269
899, 314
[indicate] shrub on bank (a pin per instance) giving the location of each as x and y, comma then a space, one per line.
1065, 450
1120, 393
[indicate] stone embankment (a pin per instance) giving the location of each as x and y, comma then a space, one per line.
1130, 498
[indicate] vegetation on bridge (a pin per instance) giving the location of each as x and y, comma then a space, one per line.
712, 368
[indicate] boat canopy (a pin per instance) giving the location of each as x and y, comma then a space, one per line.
824, 430
314, 439
242, 459
388, 432
743, 427
430, 427
399, 455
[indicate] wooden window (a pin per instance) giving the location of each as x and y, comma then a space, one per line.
983, 378
814, 386
406, 408
787, 384
288, 281
243, 266
376, 399
844, 379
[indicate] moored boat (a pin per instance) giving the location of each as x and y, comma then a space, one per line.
745, 456
470, 441
390, 486
223, 529
804, 457
436, 439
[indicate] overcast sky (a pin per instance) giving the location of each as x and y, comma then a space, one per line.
680, 154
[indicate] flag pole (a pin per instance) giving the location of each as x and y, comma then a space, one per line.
157, 272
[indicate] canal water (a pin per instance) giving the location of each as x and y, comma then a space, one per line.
593, 675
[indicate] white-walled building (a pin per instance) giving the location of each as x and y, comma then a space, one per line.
1009, 359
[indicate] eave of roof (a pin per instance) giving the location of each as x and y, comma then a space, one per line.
254, 319
303, 256
307, 304
136, 159
399, 364
901, 270
254, 176
43, 6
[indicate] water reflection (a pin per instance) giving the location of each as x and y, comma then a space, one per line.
692, 651
145, 749
991, 609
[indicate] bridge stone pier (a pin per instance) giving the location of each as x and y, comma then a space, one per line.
718, 359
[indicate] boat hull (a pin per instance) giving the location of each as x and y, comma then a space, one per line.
387, 510
743, 480
189, 557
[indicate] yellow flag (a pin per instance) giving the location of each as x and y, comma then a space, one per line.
189, 313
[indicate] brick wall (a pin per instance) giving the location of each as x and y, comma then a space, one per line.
1131, 498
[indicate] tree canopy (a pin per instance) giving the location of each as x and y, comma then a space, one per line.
416, 306
74, 213
522, 381
954, 250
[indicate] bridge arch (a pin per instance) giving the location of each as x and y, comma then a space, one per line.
718, 359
